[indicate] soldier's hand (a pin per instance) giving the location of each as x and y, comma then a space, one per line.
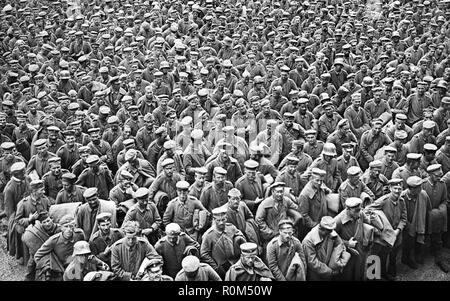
147, 231
258, 200
34, 216
352, 242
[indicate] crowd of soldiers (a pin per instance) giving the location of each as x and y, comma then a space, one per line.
224, 140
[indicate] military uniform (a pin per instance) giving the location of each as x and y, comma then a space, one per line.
173, 254
53, 184
221, 249
98, 243
40, 164
50, 267
125, 261
333, 177
213, 196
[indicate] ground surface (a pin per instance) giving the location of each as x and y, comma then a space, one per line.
11, 270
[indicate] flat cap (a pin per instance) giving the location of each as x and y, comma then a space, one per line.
353, 170
251, 164
18, 166
248, 248
413, 156
92, 159
434, 167
219, 211
69, 177
430, 147
285, 222
390, 149
90, 192
182, 185
103, 217
318, 171
428, 124
353, 202
7, 145
220, 170
141, 192
395, 182
201, 170
190, 263
197, 134
277, 184
376, 164
93, 130
167, 161
36, 184
414, 181
234, 192
400, 134
327, 222
40, 142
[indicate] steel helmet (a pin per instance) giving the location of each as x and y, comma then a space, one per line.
81, 248
329, 149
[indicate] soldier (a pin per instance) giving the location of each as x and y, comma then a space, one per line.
215, 194
437, 192
394, 207
193, 270
249, 267
96, 175
39, 162
173, 247
103, 239
347, 159
388, 162
418, 207
318, 246
83, 262
352, 225
371, 141
153, 270
200, 182
273, 209
124, 190
411, 168
425, 136
328, 163
285, 250
251, 185
15, 190
353, 187
181, 210
53, 178
53, 257
220, 243
34, 236
146, 214
312, 147
128, 253
292, 177
70, 151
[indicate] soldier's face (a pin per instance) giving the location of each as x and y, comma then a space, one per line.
56, 169
286, 233
200, 178
220, 222
353, 179
317, 180
172, 237
390, 157
42, 150
168, 170
47, 223
396, 190
248, 259
182, 194
130, 238
93, 202
67, 230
